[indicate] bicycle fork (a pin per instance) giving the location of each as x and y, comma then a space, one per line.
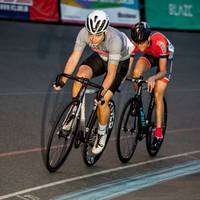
84, 129
143, 122
150, 124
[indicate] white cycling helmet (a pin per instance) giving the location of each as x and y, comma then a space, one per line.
97, 22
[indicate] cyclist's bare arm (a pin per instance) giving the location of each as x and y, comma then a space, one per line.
161, 74
129, 67
162, 69
72, 62
112, 69
70, 65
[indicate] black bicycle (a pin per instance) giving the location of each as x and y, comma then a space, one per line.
71, 129
135, 124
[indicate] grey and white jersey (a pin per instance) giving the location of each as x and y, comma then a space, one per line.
116, 46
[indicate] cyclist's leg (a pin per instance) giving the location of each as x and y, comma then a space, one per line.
103, 111
143, 64
159, 92
89, 68
84, 71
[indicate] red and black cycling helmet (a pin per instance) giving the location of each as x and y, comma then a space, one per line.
140, 32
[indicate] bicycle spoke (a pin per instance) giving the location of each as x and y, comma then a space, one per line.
127, 132
127, 138
61, 138
88, 157
152, 127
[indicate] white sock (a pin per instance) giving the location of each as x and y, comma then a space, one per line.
102, 129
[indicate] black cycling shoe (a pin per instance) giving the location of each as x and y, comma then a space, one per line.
156, 143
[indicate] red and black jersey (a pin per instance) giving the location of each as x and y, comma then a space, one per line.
158, 48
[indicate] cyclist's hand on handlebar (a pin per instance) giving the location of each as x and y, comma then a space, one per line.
151, 83
100, 98
59, 83
56, 88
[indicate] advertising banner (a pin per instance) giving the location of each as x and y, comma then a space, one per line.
45, 10
15, 9
37, 10
121, 12
179, 14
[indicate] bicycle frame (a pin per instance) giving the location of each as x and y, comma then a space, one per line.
71, 128
135, 124
82, 95
84, 128
142, 117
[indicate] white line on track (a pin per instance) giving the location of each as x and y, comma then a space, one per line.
96, 174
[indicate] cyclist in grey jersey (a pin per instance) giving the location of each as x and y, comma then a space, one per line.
116, 46
111, 53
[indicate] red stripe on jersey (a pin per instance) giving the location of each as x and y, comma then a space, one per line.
101, 52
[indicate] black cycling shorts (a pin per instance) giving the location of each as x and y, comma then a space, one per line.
99, 67
154, 62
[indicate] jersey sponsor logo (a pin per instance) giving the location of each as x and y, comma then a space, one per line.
162, 46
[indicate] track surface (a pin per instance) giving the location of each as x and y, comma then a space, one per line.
31, 55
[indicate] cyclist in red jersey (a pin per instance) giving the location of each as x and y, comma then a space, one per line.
157, 51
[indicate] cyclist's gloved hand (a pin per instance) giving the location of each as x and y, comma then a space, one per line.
59, 83
100, 97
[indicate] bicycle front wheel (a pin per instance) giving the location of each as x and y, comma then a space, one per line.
62, 136
152, 127
127, 135
89, 158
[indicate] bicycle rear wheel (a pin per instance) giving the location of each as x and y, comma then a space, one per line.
89, 158
152, 127
62, 136
128, 129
